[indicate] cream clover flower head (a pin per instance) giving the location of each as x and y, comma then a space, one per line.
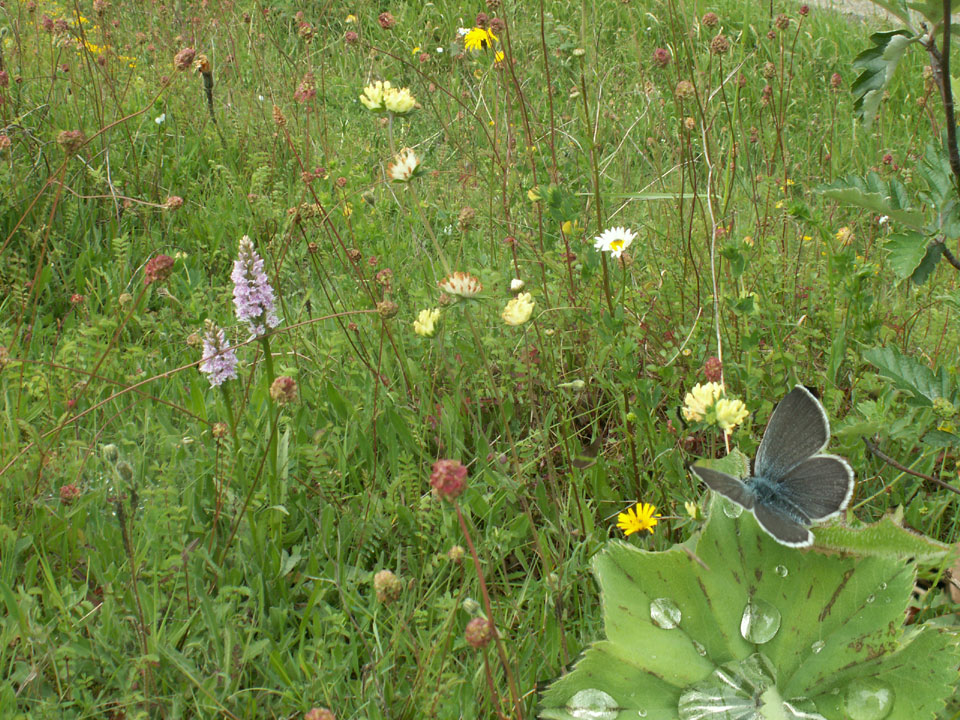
614, 241
373, 95
404, 166
730, 413
518, 310
426, 323
399, 101
700, 399
461, 284
516, 285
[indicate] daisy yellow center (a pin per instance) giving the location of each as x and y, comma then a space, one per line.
617, 244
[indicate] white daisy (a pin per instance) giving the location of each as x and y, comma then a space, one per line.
614, 241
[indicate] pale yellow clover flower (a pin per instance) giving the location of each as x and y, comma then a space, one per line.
692, 509
844, 235
461, 284
399, 101
404, 166
426, 323
730, 413
699, 399
637, 519
518, 310
373, 95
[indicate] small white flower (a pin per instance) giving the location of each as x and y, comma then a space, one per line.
614, 241
516, 285
260, 98
439, 49
462, 31
159, 119
884, 219
404, 165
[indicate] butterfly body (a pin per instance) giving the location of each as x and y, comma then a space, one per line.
793, 483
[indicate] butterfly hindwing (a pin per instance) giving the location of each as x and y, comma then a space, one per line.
726, 485
782, 528
798, 429
819, 487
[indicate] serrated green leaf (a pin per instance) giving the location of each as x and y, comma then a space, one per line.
878, 65
928, 264
941, 439
906, 252
841, 620
880, 199
886, 537
907, 374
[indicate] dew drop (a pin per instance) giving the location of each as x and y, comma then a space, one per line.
818, 646
868, 699
871, 598
701, 650
592, 705
665, 613
883, 586
641, 713
760, 621
731, 509
781, 570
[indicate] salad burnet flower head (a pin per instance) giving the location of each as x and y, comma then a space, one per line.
252, 294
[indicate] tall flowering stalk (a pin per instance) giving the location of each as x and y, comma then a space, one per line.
219, 362
252, 294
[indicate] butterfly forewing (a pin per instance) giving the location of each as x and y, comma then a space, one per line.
797, 429
820, 487
781, 528
726, 485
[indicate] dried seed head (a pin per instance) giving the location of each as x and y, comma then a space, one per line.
71, 140
661, 57
387, 587
319, 714
720, 45
448, 479
283, 390
387, 309
479, 632
710, 20
386, 20
278, 117
184, 59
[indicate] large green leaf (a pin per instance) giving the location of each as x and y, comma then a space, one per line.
907, 251
840, 628
921, 382
878, 65
878, 195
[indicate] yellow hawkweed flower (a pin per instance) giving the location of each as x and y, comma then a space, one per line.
637, 519
478, 39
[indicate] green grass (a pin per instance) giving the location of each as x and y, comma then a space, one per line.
233, 576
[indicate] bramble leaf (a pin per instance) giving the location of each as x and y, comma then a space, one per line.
921, 382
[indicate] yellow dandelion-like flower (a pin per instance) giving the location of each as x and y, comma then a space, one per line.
498, 56
638, 518
478, 39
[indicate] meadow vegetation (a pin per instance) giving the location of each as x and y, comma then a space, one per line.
313, 400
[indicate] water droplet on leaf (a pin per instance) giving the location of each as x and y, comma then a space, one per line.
760, 621
818, 646
731, 509
871, 598
592, 705
868, 699
701, 650
665, 613
781, 570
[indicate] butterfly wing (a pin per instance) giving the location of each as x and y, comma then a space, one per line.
781, 528
819, 487
797, 429
726, 485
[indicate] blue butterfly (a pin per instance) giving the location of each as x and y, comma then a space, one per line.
793, 484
